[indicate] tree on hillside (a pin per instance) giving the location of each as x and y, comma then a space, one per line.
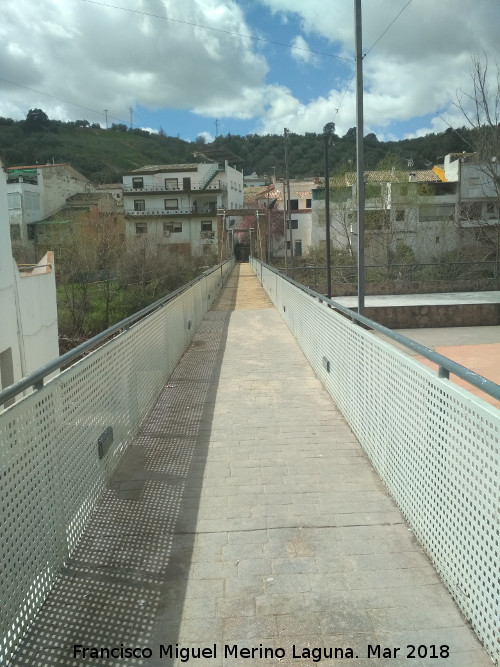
36, 120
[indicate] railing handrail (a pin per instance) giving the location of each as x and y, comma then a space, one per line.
36, 379
479, 262
190, 210
197, 185
445, 365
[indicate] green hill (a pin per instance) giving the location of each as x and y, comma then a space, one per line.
103, 155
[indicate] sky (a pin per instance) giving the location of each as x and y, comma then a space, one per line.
208, 67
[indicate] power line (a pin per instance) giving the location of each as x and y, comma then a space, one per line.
60, 99
390, 24
369, 50
456, 131
227, 32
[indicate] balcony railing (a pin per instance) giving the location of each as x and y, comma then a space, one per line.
214, 185
190, 210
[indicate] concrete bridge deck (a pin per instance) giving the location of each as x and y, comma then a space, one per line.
246, 514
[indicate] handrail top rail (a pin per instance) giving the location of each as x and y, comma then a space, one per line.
36, 378
475, 379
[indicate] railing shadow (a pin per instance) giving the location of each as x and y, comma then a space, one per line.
124, 587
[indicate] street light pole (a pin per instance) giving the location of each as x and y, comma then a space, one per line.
289, 212
327, 219
360, 158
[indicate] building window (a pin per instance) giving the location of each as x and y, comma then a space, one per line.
490, 209
308, 203
288, 245
400, 214
294, 204
171, 204
295, 224
298, 248
167, 228
141, 228
139, 205
13, 200
176, 227
206, 225
171, 184
437, 239
137, 183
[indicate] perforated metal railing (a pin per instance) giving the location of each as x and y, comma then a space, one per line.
435, 445
50, 471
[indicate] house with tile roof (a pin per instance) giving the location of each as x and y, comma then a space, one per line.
425, 212
181, 208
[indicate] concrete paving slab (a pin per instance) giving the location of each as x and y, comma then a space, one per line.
434, 299
477, 348
264, 533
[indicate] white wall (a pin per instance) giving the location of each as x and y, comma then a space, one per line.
57, 183
28, 306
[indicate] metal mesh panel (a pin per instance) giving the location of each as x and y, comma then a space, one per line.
435, 445
50, 472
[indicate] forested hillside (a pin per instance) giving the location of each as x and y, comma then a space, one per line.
103, 155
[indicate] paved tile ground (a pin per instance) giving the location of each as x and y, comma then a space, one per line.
246, 515
434, 299
477, 348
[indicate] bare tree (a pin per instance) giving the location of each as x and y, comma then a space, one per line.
480, 106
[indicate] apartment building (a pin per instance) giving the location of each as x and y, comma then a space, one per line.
181, 208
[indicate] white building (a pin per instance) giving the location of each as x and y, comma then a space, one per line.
446, 209
181, 207
28, 308
37, 191
300, 213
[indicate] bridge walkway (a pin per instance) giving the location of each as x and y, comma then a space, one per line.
246, 515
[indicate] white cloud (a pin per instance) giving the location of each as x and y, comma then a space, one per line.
100, 57
414, 69
103, 58
301, 52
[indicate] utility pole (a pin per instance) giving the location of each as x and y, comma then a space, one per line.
106, 116
327, 218
268, 228
289, 212
284, 225
360, 157
131, 117
216, 128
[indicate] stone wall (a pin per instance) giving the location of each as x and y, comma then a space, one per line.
427, 287
418, 317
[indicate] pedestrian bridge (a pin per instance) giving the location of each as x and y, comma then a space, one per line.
248, 475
